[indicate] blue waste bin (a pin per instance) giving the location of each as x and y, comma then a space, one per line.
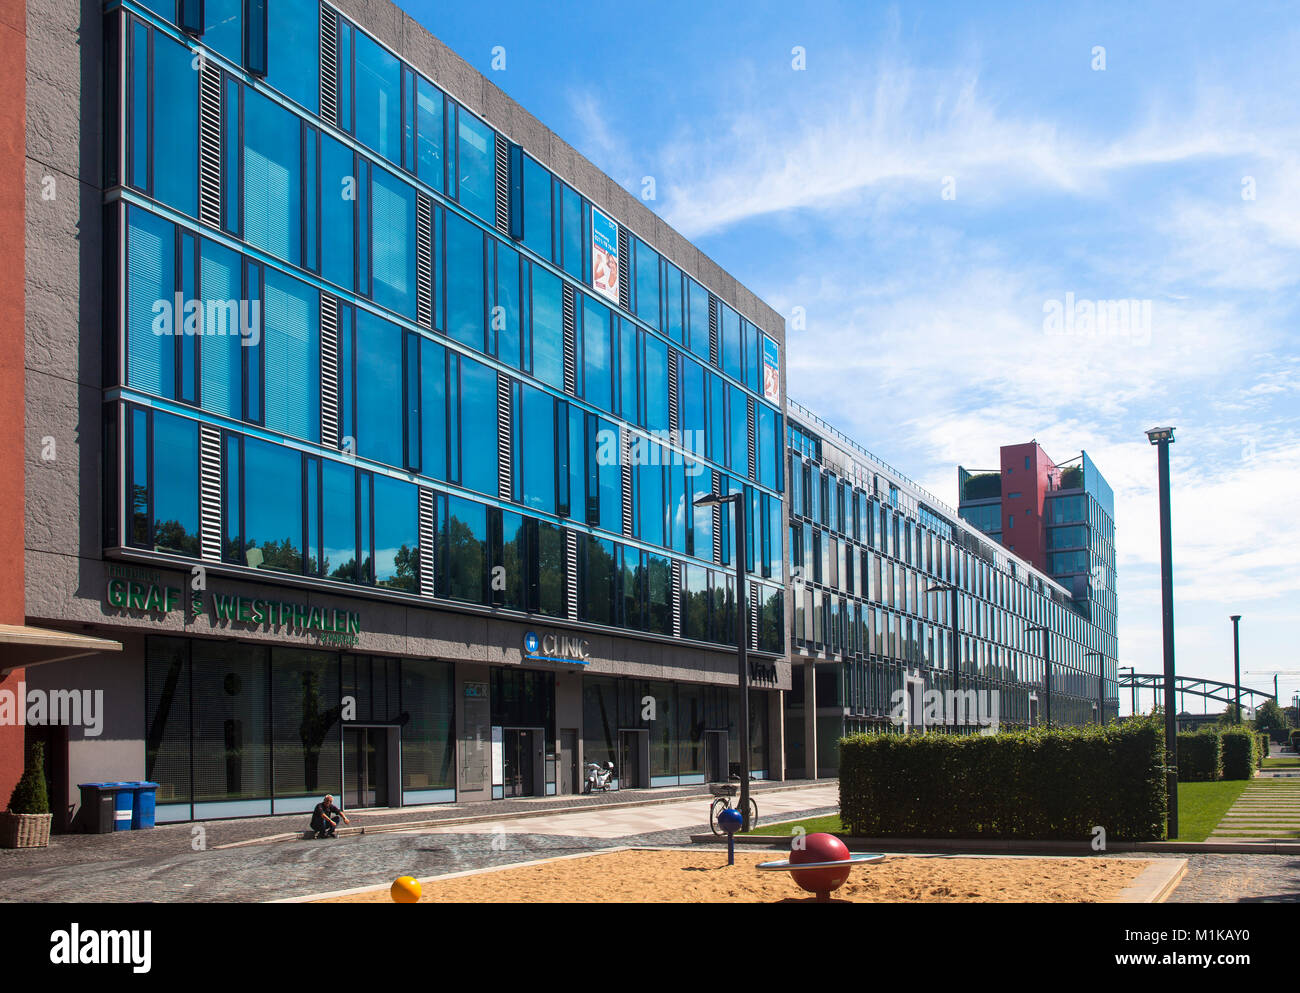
124, 806
145, 799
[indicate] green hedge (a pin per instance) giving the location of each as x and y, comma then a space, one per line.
1040, 784
1239, 754
1263, 748
1295, 739
1200, 757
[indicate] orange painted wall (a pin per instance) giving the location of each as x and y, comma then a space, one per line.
13, 150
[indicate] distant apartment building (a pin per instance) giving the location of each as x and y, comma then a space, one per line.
1060, 516
874, 560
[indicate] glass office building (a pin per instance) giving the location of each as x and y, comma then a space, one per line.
403, 409
874, 560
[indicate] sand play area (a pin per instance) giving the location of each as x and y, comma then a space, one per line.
703, 876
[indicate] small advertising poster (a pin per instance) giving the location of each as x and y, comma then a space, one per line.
604, 255
771, 370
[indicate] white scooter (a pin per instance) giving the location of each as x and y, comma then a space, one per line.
599, 778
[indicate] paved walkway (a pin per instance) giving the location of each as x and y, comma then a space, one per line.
164, 868
1267, 810
168, 840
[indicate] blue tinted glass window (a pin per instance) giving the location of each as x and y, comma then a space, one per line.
537, 208
659, 615
731, 342
338, 521
656, 384
378, 99
698, 298
379, 389
465, 290
609, 472
597, 358
273, 506
717, 420
753, 358
690, 391
478, 421
272, 181
293, 27
150, 303
548, 327
647, 283
337, 206
223, 28
537, 449
397, 534
175, 126
571, 205
676, 325
230, 150
433, 410
175, 484
650, 492
505, 318
292, 356
225, 314
629, 367
393, 243
466, 550
767, 444
429, 133
699, 481
476, 155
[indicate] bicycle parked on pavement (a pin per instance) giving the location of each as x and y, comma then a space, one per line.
722, 801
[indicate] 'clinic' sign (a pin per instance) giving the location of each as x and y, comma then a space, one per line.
554, 647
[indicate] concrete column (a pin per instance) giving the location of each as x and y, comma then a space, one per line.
809, 721
776, 735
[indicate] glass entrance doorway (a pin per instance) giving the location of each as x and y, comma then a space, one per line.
365, 767
518, 763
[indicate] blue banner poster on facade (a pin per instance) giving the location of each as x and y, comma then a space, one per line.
604, 255
771, 370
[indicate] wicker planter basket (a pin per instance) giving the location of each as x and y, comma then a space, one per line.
25, 830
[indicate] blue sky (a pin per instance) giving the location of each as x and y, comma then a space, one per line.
1169, 176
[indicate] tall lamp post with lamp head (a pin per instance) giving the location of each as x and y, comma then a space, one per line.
738, 499
1162, 438
1047, 669
1236, 664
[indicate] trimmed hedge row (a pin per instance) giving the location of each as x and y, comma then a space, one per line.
1240, 754
1200, 758
1263, 748
1035, 784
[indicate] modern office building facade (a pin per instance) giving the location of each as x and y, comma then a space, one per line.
380, 416
1058, 516
874, 560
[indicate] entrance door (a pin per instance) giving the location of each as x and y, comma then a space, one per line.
517, 765
633, 760
567, 773
365, 767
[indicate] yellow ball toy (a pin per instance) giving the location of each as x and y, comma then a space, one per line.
405, 889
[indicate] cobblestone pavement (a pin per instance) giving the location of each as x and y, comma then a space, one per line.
1215, 878
171, 840
298, 868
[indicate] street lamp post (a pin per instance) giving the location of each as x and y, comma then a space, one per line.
1047, 668
953, 647
1236, 662
1101, 685
1162, 438
742, 638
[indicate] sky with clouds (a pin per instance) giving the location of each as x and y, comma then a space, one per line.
924, 193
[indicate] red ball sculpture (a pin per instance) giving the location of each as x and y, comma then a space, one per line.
821, 848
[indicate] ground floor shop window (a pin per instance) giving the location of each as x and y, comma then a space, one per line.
236, 730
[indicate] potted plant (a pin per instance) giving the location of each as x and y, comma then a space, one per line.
27, 822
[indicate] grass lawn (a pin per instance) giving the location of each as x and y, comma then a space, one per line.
1281, 763
1200, 807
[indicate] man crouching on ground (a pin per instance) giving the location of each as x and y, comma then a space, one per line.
325, 818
